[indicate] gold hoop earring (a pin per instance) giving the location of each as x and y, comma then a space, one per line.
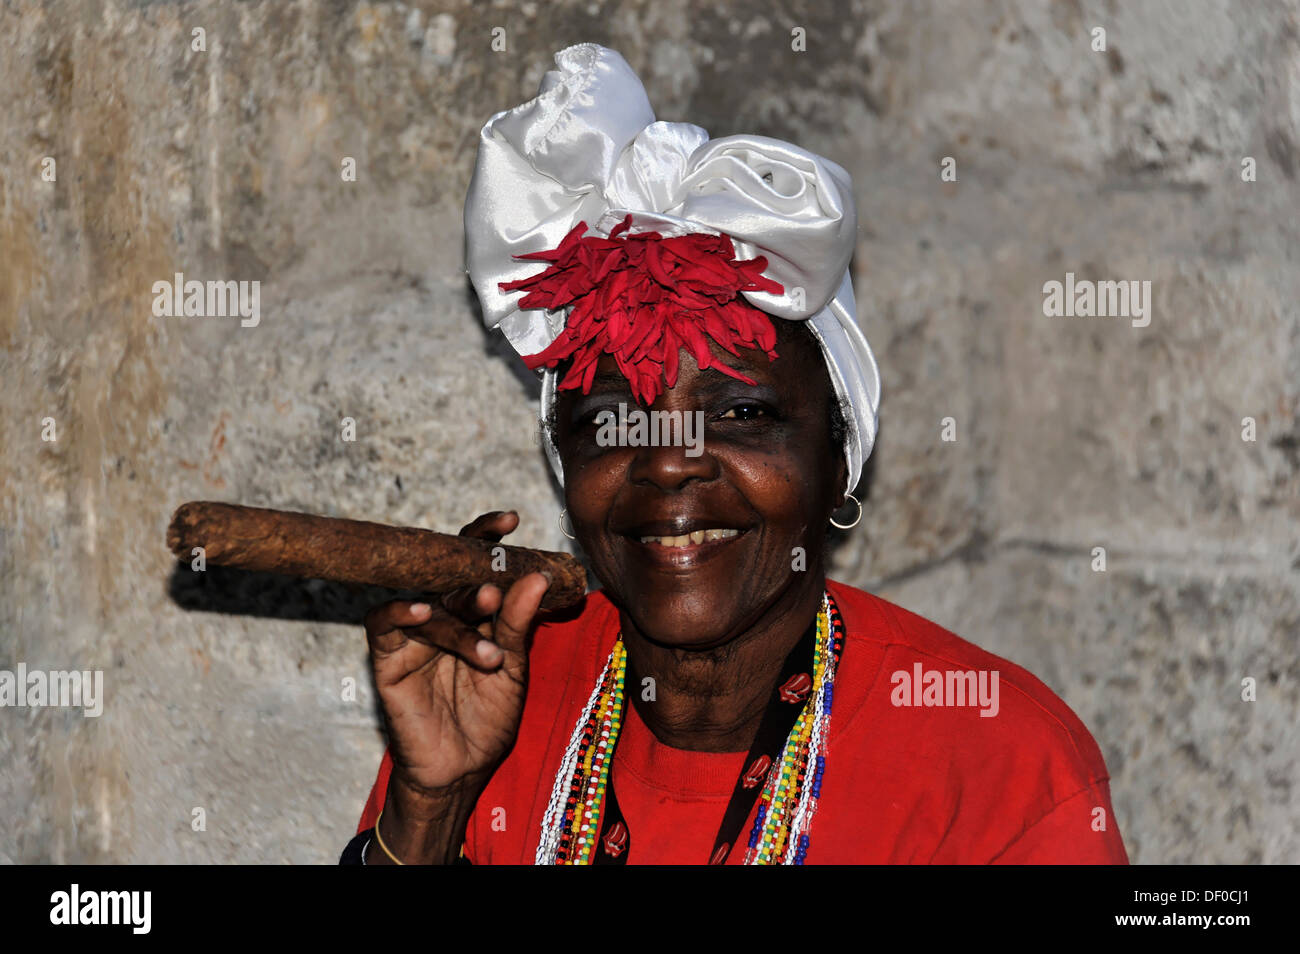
849, 526
562, 530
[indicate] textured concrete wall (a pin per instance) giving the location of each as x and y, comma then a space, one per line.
1070, 433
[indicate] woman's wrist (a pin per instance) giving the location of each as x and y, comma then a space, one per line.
423, 826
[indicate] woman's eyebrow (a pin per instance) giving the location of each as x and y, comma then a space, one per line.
762, 373
610, 380
725, 387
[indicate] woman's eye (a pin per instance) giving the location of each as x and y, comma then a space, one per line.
598, 418
744, 412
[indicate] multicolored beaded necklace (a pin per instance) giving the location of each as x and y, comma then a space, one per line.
583, 824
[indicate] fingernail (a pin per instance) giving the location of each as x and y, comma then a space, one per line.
487, 650
419, 609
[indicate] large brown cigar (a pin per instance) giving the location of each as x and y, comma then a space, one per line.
354, 551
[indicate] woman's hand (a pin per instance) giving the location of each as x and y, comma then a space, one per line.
451, 679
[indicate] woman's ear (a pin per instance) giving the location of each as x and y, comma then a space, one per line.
841, 478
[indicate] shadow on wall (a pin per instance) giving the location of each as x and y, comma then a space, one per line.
220, 589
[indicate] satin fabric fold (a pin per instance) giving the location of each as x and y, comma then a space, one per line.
588, 149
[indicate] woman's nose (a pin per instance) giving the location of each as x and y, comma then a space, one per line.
673, 462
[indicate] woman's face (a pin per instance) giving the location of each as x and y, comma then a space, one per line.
765, 474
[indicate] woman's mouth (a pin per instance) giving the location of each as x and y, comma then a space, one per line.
694, 538
683, 551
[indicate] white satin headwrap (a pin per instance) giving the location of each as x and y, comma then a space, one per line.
588, 149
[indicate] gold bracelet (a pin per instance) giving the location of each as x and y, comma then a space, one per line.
380, 838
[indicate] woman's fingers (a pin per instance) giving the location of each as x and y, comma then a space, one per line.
473, 603
513, 613
449, 634
491, 526
389, 627
449, 624
384, 624
517, 611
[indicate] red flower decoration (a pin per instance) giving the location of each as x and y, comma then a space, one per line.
641, 298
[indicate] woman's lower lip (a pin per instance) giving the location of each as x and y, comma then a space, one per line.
682, 557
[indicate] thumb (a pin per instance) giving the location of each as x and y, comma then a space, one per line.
518, 611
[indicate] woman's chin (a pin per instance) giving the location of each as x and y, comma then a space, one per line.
696, 597
691, 624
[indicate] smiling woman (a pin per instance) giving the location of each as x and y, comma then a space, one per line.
769, 474
719, 700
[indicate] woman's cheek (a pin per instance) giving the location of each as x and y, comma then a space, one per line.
591, 481
785, 494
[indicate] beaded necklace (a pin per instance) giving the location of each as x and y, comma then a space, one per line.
582, 826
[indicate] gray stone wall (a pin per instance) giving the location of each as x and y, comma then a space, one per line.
1070, 433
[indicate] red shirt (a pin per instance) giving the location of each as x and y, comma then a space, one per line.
904, 783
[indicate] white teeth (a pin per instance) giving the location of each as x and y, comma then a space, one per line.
693, 538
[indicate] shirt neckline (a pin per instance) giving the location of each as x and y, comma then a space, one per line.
670, 770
